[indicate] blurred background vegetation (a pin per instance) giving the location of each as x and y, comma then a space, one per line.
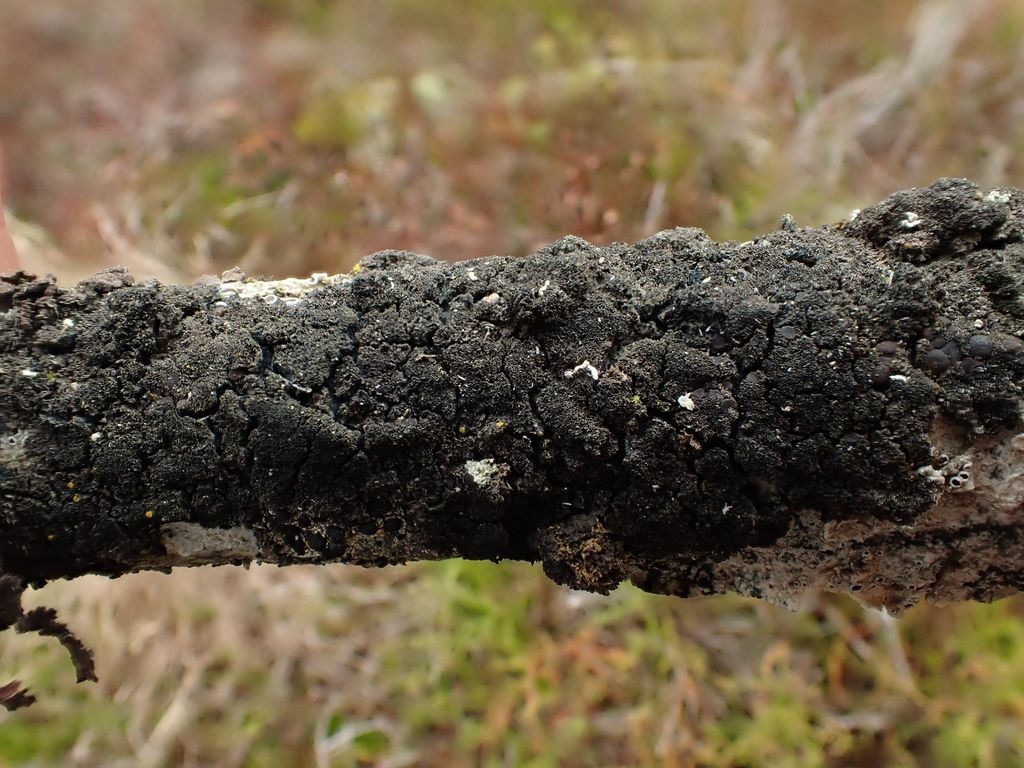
287, 136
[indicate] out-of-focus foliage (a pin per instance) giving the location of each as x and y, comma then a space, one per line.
293, 135
474, 664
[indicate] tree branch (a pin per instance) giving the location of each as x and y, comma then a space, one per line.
835, 408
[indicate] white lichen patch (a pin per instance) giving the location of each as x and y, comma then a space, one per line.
290, 290
29, 373
482, 471
685, 401
12, 446
997, 196
951, 474
192, 544
590, 370
68, 323
486, 473
854, 214
898, 377
910, 220
491, 298
471, 274
931, 474
957, 473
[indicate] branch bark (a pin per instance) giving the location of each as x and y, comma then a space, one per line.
835, 408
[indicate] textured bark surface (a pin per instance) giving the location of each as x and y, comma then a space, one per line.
837, 407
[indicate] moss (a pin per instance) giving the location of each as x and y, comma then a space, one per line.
342, 118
